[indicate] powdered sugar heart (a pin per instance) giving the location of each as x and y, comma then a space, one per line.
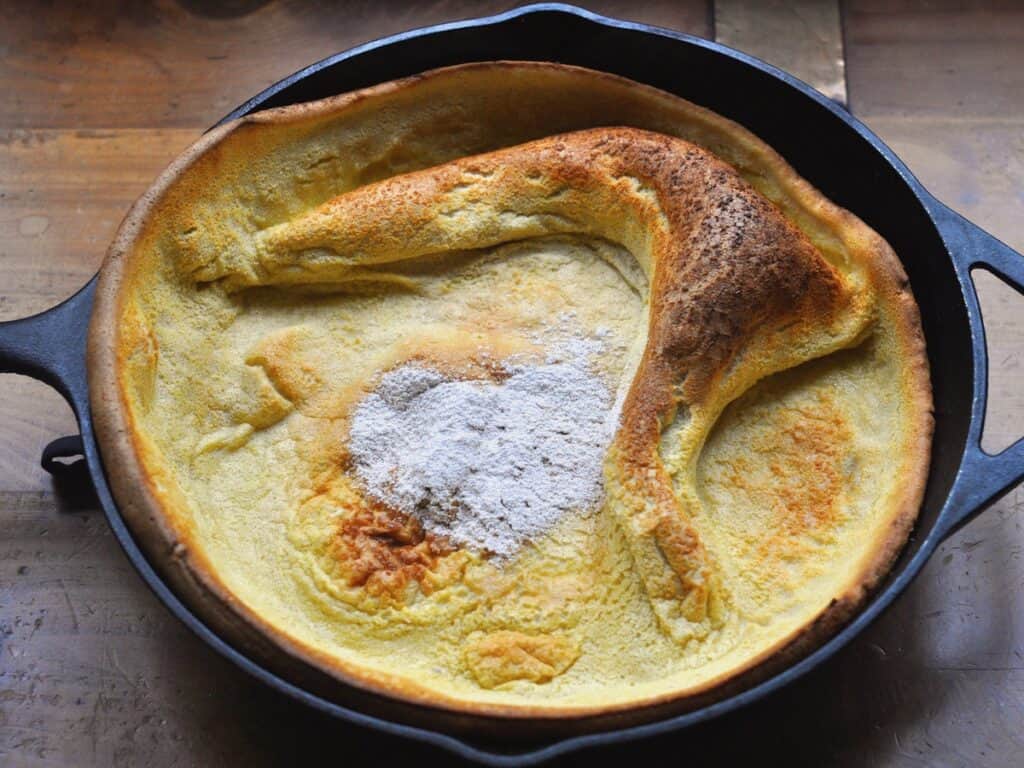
488, 464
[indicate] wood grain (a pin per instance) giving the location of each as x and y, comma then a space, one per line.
976, 166
94, 672
942, 58
803, 37
64, 194
941, 83
186, 64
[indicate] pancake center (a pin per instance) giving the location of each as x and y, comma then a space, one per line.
488, 464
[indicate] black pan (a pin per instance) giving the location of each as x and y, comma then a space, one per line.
825, 144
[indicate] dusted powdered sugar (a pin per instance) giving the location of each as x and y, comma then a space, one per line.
488, 464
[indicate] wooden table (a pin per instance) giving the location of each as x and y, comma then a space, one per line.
95, 672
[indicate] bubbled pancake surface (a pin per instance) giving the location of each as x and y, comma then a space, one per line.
776, 408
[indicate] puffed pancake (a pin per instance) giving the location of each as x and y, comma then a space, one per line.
771, 423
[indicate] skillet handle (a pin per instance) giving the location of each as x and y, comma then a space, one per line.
50, 346
983, 477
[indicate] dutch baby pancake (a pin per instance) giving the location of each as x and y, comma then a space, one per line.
512, 389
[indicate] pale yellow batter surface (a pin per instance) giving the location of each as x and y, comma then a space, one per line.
232, 397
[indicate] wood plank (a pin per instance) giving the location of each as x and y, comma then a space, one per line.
948, 59
803, 37
940, 82
94, 672
62, 195
184, 64
976, 166
1002, 309
31, 415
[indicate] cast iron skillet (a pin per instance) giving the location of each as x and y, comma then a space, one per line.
824, 143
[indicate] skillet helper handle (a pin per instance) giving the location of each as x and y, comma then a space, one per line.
983, 477
50, 346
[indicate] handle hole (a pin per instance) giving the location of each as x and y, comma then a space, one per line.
63, 455
1002, 309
